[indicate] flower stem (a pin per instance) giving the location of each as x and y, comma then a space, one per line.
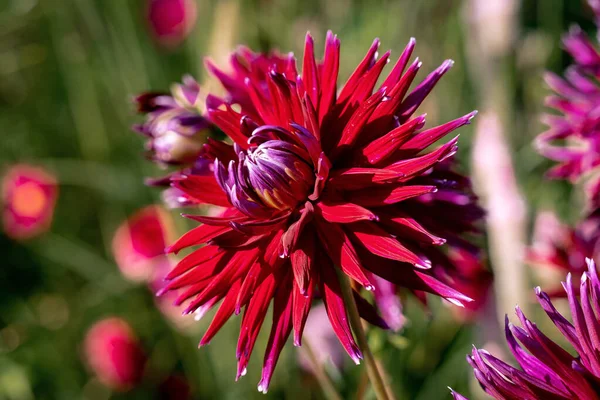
370, 362
320, 374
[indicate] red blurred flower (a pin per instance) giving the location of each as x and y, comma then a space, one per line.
29, 196
171, 21
139, 243
115, 354
318, 180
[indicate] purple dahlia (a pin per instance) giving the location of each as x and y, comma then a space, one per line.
318, 184
547, 371
174, 126
573, 137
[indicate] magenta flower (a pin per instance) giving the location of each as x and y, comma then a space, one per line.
28, 196
139, 243
573, 137
318, 180
561, 249
174, 126
114, 354
171, 21
547, 371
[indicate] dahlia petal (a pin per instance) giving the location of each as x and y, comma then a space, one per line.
310, 74
396, 73
260, 227
197, 276
280, 330
341, 251
402, 225
203, 189
282, 98
233, 240
290, 237
329, 74
382, 244
387, 195
359, 178
358, 73
198, 235
193, 259
229, 121
356, 103
302, 260
222, 315
301, 306
416, 97
368, 312
310, 117
426, 138
256, 274
344, 213
380, 149
581, 49
456, 395
383, 118
414, 166
264, 107
564, 326
238, 266
309, 141
252, 321
216, 221
336, 311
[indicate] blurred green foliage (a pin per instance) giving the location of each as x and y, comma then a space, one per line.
68, 69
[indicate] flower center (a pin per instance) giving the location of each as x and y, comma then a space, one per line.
280, 174
29, 200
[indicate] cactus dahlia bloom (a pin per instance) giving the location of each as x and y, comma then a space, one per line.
547, 370
316, 181
573, 137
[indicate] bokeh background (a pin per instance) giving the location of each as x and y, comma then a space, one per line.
68, 71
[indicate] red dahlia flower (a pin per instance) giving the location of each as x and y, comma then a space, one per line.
573, 138
28, 196
547, 370
318, 182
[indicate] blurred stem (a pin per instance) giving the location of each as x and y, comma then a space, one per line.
323, 378
372, 366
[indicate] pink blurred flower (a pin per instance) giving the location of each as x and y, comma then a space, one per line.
29, 196
558, 248
114, 354
322, 340
171, 21
139, 243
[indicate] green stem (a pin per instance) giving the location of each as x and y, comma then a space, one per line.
370, 362
320, 374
